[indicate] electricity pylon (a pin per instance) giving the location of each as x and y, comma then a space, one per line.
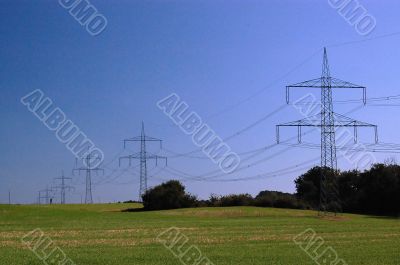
63, 187
39, 197
327, 120
88, 169
48, 195
143, 156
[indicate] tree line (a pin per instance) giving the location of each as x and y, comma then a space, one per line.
373, 191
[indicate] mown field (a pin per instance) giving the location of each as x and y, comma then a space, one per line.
104, 234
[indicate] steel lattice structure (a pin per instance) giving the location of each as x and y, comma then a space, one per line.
327, 120
63, 187
88, 169
48, 195
143, 156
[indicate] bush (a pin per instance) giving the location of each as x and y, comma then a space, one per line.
278, 199
169, 195
231, 200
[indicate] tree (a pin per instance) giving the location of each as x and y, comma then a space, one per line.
349, 189
380, 190
277, 199
308, 187
169, 195
374, 191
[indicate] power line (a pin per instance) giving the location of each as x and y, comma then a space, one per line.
216, 173
255, 94
240, 102
283, 171
364, 40
237, 133
111, 180
188, 154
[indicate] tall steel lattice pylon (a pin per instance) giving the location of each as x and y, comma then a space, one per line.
143, 156
89, 169
327, 120
63, 187
143, 163
328, 146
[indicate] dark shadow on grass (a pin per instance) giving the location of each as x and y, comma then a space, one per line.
383, 217
134, 210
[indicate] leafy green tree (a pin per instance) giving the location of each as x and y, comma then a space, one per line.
308, 187
278, 199
169, 195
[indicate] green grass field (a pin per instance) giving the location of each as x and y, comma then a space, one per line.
104, 234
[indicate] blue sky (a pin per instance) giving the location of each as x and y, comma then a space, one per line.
213, 54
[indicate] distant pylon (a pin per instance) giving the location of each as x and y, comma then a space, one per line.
88, 169
39, 197
327, 120
143, 156
48, 196
63, 187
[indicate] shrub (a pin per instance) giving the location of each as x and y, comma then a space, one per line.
231, 200
277, 199
169, 195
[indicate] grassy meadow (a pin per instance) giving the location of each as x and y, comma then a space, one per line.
106, 234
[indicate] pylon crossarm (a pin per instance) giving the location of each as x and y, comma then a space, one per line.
309, 121
341, 120
78, 170
148, 138
157, 157
97, 169
134, 139
338, 83
150, 156
309, 83
142, 138
312, 121
152, 139
129, 157
321, 82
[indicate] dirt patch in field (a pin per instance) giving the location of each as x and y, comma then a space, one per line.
13, 234
9, 243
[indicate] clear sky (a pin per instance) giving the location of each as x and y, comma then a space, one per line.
229, 60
